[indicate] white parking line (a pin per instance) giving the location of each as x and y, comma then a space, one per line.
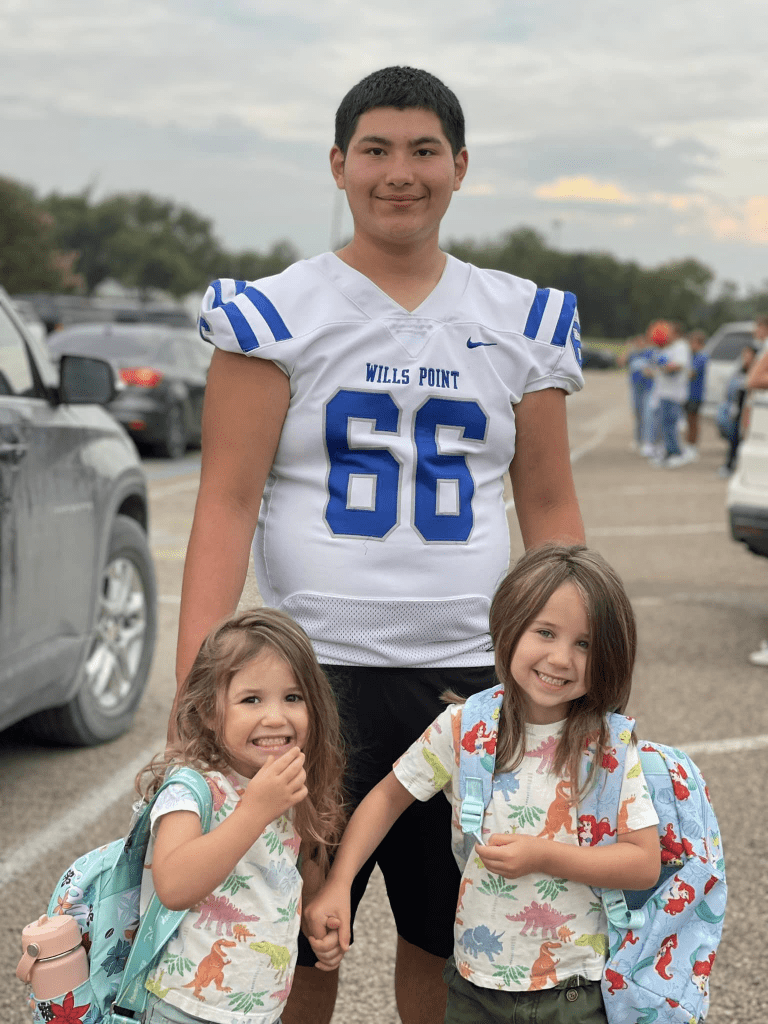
177, 487
75, 820
602, 426
679, 529
734, 746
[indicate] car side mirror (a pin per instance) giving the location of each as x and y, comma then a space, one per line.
85, 381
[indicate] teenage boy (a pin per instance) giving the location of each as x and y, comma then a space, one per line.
366, 445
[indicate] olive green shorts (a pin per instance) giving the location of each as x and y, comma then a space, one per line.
573, 1000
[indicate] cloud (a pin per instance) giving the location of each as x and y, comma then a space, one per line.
586, 188
748, 224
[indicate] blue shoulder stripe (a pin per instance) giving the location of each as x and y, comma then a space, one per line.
537, 312
243, 331
270, 314
560, 337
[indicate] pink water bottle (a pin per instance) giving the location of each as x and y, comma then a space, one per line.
54, 960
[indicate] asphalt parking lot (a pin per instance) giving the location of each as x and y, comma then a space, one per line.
701, 603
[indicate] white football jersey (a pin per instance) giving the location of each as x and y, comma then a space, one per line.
382, 529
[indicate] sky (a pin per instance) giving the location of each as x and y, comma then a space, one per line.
635, 129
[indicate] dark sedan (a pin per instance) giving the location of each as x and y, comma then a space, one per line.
597, 359
160, 373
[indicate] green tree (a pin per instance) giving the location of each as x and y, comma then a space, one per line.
30, 259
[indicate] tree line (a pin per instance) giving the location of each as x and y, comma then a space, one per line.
71, 243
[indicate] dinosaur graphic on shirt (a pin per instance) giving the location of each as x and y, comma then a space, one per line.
481, 940
540, 916
211, 970
279, 956
218, 911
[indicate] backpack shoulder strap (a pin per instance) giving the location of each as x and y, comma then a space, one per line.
158, 923
601, 804
477, 757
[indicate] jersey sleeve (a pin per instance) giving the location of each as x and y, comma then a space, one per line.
552, 327
237, 316
427, 765
635, 798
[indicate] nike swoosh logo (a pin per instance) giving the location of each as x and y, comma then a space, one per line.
477, 344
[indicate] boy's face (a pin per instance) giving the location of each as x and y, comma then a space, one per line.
399, 175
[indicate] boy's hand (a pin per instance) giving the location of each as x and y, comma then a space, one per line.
328, 951
276, 786
512, 856
325, 922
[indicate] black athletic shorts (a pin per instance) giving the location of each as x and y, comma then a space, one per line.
383, 710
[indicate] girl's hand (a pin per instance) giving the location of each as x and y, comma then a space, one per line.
325, 922
276, 786
512, 856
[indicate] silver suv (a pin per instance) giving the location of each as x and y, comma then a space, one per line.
747, 498
77, 584
723, 352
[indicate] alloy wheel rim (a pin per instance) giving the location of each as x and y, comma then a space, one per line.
118, 645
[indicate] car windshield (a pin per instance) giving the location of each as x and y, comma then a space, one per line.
731, 344
144, 347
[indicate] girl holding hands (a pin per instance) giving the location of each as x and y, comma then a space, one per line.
529, 930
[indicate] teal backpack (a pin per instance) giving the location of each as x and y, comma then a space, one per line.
661, 942
101, 891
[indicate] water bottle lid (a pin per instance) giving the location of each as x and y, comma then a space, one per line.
51, 936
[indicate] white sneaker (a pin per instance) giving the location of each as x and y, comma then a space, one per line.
647, 451
676, 461
691, 453
760, 657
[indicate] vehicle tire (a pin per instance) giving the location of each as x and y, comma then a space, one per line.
174, 442
114, 673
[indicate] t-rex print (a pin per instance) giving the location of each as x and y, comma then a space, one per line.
543, 970
559, 813
211, 969
279, 956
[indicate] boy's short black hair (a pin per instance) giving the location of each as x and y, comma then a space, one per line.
403, 88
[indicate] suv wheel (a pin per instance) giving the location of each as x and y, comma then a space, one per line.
174, 442
115, 670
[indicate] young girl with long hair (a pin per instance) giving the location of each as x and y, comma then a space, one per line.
258, 720
529, 936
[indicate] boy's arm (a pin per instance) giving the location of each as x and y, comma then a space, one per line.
633, 862
545, 496
246, 401
369, 824
188, 865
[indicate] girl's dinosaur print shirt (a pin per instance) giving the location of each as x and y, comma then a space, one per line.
532, 932
232, 960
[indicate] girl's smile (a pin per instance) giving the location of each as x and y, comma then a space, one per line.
265, 713
549, 663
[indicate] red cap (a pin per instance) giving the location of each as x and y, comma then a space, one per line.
658, 332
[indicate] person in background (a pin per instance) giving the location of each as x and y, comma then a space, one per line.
757, 379
636, 357
697, 381
728, 415
671, 388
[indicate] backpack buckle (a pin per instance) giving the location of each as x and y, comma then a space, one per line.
473, 810
618, 913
